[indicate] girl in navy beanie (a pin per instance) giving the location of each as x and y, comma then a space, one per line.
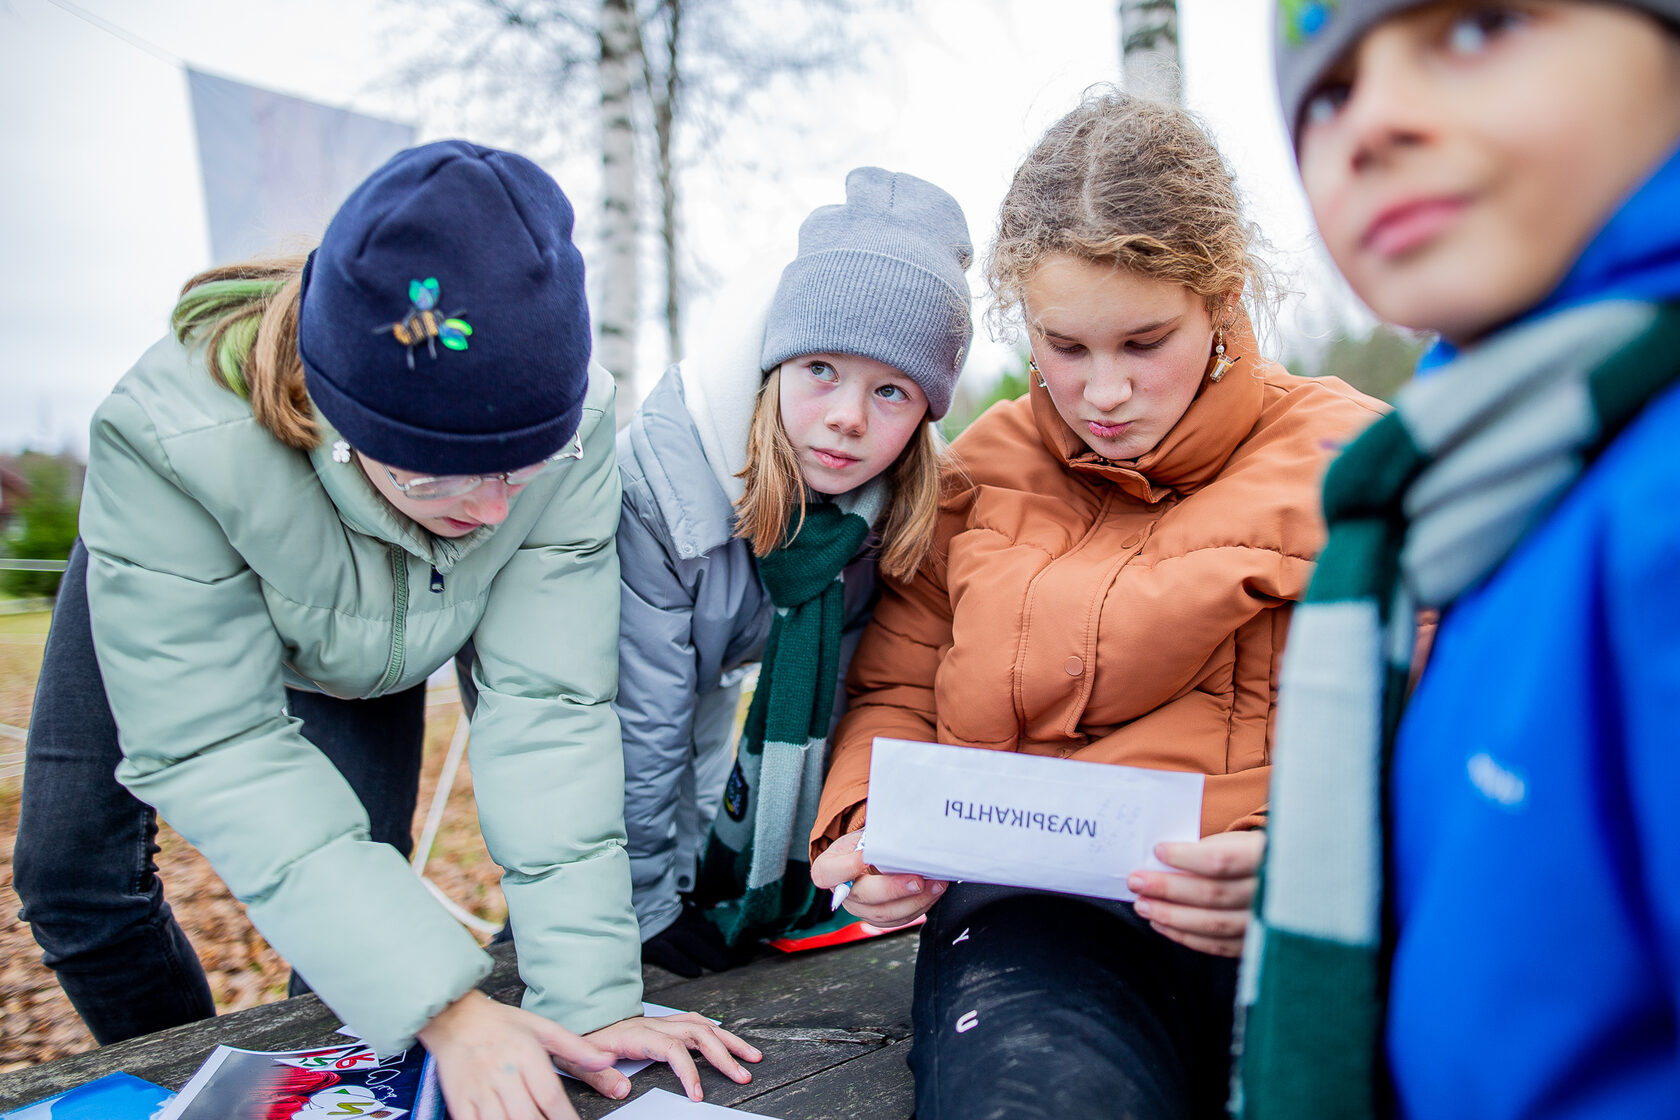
334, 474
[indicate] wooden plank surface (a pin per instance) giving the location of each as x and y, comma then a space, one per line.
833, 1025
872, 1086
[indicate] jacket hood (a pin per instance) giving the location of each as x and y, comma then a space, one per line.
1195, 450
721, 378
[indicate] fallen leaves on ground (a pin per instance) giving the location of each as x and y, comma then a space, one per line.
37, 1023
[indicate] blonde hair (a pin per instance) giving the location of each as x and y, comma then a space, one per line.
775, 488
1133, 183
245, 317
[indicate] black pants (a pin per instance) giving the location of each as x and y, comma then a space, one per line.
83, 863
1043, 1005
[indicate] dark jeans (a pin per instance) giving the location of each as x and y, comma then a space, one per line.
1043, 1005
83, 863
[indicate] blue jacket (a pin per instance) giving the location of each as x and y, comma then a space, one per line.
1535, 879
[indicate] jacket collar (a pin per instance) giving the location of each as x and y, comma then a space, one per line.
678, 471
364, 510
693, 425
1197, 448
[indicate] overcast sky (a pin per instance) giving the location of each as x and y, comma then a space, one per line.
101, 210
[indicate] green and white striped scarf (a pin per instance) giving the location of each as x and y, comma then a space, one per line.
1425, 504
755, 874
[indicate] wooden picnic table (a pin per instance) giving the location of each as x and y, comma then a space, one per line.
834, 1026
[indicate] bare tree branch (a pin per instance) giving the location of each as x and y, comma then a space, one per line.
695, 67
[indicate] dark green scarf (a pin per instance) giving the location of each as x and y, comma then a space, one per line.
755, 873
1424, 505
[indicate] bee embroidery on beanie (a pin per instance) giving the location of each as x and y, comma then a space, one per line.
423, 323
1304, 19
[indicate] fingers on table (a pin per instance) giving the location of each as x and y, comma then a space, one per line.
576, 1053
718, 1046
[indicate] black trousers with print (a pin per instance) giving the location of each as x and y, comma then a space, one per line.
1029, 1004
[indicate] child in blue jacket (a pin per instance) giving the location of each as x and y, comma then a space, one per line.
1471, 903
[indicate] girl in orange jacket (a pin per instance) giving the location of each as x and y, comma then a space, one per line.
1111, 581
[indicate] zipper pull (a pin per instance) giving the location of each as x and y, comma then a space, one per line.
437, 582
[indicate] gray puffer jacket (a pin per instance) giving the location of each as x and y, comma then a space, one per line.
694, 617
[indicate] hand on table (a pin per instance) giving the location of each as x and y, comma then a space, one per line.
877, 898
1204, 904
496, 1062
669, 1038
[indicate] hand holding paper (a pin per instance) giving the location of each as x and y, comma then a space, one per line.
1204, 903
881, 900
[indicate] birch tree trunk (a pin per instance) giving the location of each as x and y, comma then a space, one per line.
1149, 63
616, 305
662, 85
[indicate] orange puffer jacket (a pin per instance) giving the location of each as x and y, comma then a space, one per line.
1127, 612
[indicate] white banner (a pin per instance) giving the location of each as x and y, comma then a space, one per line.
275, 167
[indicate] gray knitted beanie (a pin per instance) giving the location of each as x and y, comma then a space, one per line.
1310, 35
881, 277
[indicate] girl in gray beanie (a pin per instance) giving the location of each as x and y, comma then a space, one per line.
766, 477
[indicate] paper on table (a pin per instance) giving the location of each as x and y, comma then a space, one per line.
984, 816
657, 1104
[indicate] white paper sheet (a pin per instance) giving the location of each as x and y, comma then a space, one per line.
983, 816
657, 1104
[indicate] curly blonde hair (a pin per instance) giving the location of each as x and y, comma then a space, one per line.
1134, 183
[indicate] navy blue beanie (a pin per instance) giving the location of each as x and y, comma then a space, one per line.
443, 326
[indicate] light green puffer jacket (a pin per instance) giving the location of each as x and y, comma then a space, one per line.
225, 567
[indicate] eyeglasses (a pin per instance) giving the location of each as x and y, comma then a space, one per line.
455, 485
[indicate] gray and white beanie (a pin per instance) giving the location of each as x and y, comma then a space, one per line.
1312, 34
880, 276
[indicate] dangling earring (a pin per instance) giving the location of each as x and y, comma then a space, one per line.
340, 451
1220, 362
1032, 365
